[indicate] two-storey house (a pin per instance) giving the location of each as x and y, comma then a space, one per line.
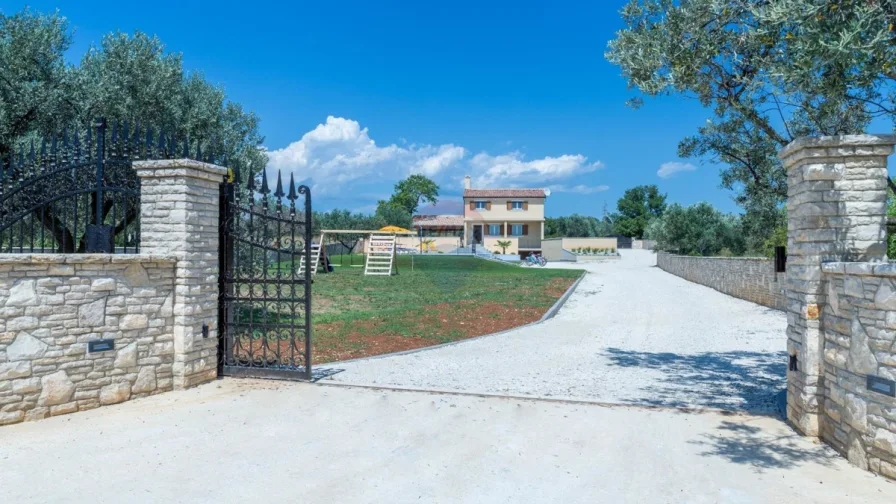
514, 215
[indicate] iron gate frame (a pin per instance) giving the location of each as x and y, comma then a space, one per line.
238, 285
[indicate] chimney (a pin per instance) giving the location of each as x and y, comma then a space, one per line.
467, 182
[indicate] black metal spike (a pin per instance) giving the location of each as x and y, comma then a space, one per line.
198, 151
77, 143
65, 149
148, 142
172, 146
161, 145
186, 152
114, 132
53, 148
124, 134
135, 139
43, 148
251, 183
21, 166
237, 174
265, 190
278, 193
89, 144
292, 189
31, 153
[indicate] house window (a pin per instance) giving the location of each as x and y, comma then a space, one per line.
494, 229
516, 205
516, 230
481, 205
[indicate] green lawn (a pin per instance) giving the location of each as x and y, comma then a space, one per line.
444, 298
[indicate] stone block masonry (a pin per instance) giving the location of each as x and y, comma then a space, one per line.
154, 306
750, 278
180, 201
841, 296
52, 306
859, 319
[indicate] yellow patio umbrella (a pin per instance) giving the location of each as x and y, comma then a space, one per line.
394, 229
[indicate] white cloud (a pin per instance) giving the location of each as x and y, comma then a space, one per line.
672, 167
512, 169
432, 163
341, 162
340, 151
579, 189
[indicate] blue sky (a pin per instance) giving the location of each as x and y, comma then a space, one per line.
356, 95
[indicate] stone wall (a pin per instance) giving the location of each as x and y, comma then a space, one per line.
51, 306
841, 297
858, 323
643, 244
159, 307
749, 278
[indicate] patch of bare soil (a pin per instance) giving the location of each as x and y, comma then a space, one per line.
434, 324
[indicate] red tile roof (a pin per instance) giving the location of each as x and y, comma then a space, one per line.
438, 220
503, 193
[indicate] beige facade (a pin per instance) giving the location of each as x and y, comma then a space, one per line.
504, 214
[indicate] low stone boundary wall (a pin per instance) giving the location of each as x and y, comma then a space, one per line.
749, 278
858, 323
643, 244
53, 305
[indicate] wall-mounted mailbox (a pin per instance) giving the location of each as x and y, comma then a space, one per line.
780, 259
881, 385
102, 345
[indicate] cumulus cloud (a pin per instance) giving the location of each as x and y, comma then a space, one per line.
341, 151
672, 167
340, 161
579, 189
512, 169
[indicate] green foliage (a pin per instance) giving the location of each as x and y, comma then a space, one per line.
576, 226
127, 77
777, 239
388, 214
412, 191
771, 71
696, 230
504, 244
636, 208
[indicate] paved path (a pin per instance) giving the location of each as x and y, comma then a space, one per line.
238, 441
631, 333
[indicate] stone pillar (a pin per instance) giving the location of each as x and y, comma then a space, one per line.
179, 205
836, 209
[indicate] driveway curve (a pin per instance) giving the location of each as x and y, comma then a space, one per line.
630, 333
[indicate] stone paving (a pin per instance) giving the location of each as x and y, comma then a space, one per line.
631, 333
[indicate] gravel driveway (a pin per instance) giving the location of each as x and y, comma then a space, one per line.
630, 333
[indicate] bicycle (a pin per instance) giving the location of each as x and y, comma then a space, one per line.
535, 260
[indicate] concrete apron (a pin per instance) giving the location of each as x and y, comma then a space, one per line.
252, 440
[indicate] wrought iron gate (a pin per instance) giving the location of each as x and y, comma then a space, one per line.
265, 299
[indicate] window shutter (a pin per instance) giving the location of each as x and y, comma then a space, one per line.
488, 205
485, 229
472, 205
525, 205
510, 205
525, 230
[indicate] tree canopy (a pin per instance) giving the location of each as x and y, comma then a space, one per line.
770, 71
412, 191
576, 226
126, 78
638, 206
696, 230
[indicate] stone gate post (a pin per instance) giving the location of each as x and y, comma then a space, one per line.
179, 208
836, 204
